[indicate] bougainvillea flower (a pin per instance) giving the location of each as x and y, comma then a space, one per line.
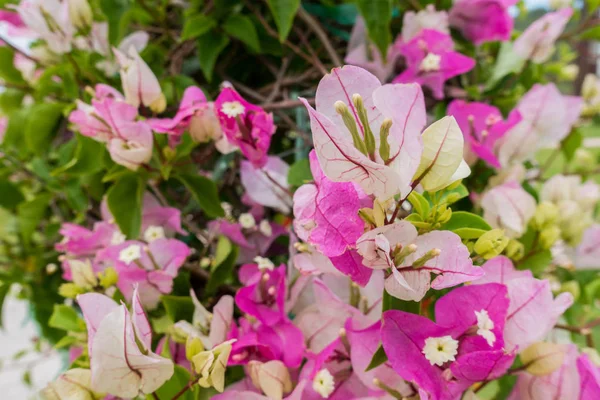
562, 384
482, 126
73, 384
589, 375
588, 251
438, 252
245, 125
537, 42
509, 207
428, 18
245, 389
134, 147
192, 101
533, 311
353, 113
432, 61
263, 294
483, 20
152, 266
363, 53
80, 241
140, 85
446, 357
268, 185
547, 118
100, 44
121, 359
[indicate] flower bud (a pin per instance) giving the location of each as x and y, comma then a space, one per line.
543, 358
545, 215
358, 102
211, 365
272, 378
515, 250
426, 257
491, 243
571, 287
70, 290
584, 161
342, 109
80, 13
569, 72
193, 346
108, 277
549, 236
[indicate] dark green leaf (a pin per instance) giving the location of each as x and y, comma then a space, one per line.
124, 200
536, 261
205, 192
222, 272
11, 100
466, 225
300, 173
8, 72
377, 16
41, 126
283, 12
114, 11
178, 308
378, 358
506, 63
196, 26
66, 318
571, 143
4, 289
88, 158
31, 213
241, 27
210, 45
173, 386
10, 195
591, 34
392, 303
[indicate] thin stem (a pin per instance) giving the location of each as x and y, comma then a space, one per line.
281, 105
323, 37
184, 389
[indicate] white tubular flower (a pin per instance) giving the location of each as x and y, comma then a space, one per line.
439, 350
485, 326
130, 253
324, 384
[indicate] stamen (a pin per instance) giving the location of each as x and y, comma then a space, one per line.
364, 120
344, 112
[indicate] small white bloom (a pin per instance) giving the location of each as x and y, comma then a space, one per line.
324, 384
51, 268
247, 221
130, 253
265, 228
430, 63
438, 350
485, 326
154, 232
232, 108
227, 208
117, 238
264, 263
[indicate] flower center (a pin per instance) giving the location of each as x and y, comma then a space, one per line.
324, 384
439, 350
130, 253
247, 221
430, 63
232, 108
153, 233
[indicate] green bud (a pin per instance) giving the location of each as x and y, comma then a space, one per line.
491, 243
515, 250
452, 198
571, 287
342, 109
584, 161
367, 215
549, 236
400, 253
364, 120
418, 263
108, 277
384, 146
545, 215
193, 346
70, 290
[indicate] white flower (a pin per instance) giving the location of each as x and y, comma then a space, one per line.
247, 221
130, 253
438, 350
117, 238
430, 63
232, 108
265, 228
154, 232
324, 384
264, 263
227, 208
485, 326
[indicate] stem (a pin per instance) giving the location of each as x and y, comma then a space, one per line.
318, 30
184, 389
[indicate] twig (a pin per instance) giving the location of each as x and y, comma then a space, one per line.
278, 79
313, 54
184, 389
18, 50
286, 104
318, 30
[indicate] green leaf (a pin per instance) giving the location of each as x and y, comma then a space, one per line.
300, 173
591, 34
571, 143
66, 341
283, 12
4, 289
536, 262
241, 27
175, 384
377, 15
392, 303
124, 201
466, 225
11, 100
420, 204
10, 195
210, 45
178, 308
88, 158
379, 357
42, 126
66, 318
31, 213
8, 72
205, 192
506, 63
224, 248
115, 10
196, 26
222, 272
